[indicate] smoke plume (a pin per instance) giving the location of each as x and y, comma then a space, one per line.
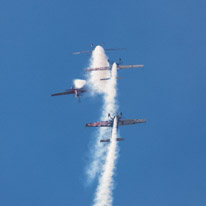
103, 194
79, 83
104, 155
98, 59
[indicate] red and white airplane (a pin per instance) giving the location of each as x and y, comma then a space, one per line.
120, 122
76, 91
110, 67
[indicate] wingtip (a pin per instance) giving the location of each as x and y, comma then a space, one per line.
144, 121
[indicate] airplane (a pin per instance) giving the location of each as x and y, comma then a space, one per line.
110, 67
111, 63
120, 122
76, 91
92, 45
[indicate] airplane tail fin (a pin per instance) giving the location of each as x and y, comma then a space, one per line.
108, 140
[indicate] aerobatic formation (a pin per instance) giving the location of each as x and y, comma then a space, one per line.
103, 156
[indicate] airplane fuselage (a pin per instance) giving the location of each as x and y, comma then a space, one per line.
76, 93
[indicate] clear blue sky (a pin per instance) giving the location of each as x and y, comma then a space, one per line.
43, 140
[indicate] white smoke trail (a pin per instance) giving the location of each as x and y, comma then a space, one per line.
104, 155
79, 83
98, 59
109, 106
103, 196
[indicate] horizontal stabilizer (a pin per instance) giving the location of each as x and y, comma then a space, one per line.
106, 78
110, 78
108, 140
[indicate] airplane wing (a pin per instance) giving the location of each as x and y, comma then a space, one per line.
63, 93
130, 121
82, 90
98, 69
114, 49
82, 52
129, 66
90, 51
109, 67
100, 124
